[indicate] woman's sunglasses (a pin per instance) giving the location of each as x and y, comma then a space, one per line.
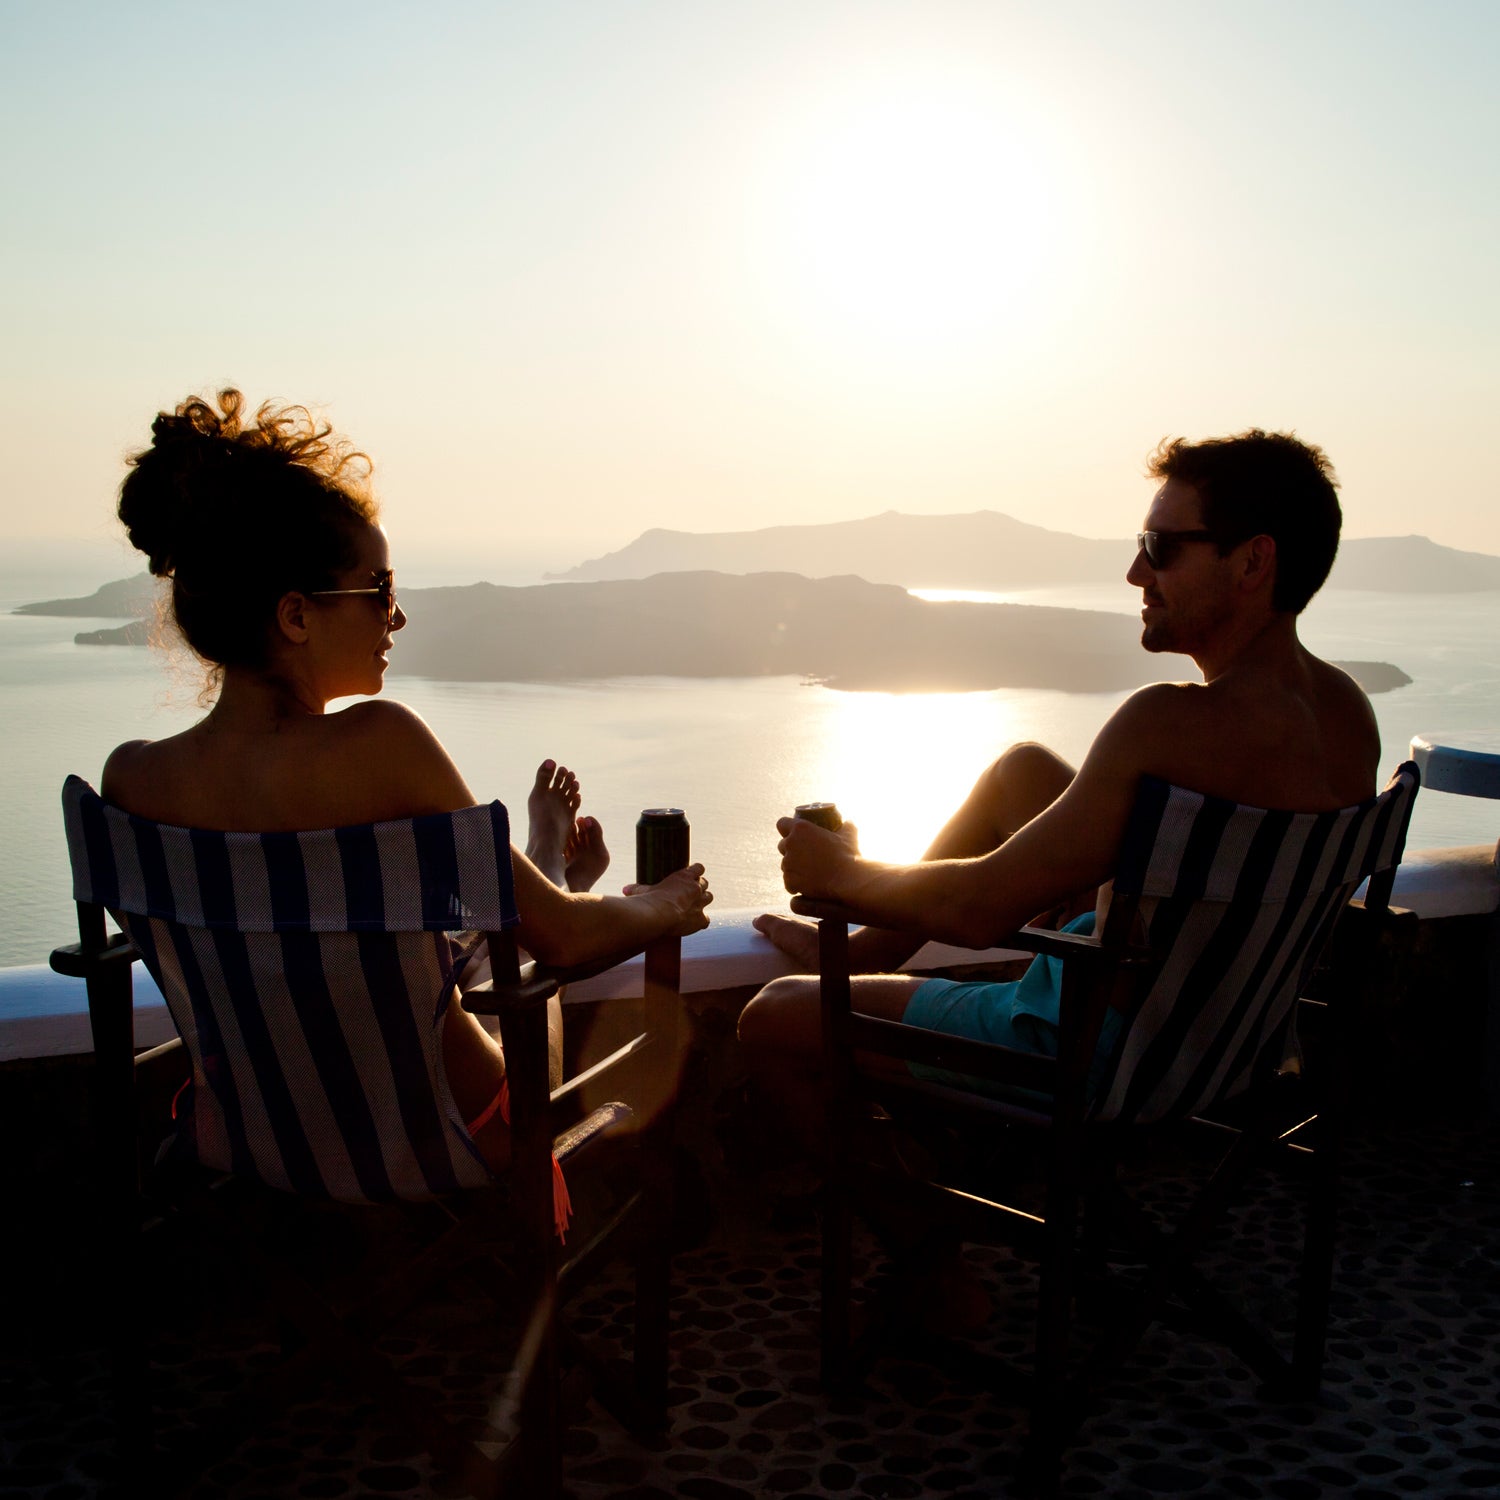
385, 587
1161, 547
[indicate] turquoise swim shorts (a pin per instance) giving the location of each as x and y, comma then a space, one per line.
1021, 1013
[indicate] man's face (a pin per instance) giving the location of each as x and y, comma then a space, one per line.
1185, 596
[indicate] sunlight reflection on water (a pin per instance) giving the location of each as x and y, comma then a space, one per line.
898, 764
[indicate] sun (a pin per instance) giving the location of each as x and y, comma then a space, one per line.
923, 209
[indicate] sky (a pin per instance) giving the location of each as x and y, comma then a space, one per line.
569, 270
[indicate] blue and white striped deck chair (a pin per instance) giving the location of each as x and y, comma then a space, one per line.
308, 975
1218, 914
1236, 904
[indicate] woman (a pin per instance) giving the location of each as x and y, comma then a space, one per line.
282, 584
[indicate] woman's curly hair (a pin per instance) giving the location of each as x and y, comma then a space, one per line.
238, 515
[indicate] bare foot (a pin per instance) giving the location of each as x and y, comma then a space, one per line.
587, 858
875, 950
797, 937
871, 950
551, 809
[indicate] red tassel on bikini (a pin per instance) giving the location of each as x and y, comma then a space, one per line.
562, 1204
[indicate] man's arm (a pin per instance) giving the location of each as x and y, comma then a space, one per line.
1067, 848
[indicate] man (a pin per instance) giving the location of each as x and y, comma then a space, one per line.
1239, 536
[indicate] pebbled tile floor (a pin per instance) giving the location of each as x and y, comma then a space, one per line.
1410, 1404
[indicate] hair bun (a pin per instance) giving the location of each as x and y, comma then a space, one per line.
178, 474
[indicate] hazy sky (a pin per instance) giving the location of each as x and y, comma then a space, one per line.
572, 270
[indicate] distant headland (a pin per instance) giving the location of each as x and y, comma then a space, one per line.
843, 632
988, 550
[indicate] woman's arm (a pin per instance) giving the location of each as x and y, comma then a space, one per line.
563, 928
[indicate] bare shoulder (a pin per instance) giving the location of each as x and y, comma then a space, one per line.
383, 718
1145, 735
1335, 686
1073, 844
1151, 719
127, 753
123, 768
1349, 729
1182, 732
391, 751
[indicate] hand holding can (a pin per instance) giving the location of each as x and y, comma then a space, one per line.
810, 863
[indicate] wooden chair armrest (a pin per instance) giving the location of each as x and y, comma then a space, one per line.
813, 906
538, 982
577, 972
1065, 945
491, 999
1400, 921
72, 960
1044, 940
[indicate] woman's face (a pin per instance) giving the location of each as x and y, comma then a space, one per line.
352, 622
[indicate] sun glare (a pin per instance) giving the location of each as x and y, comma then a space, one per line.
919, 210
899, 765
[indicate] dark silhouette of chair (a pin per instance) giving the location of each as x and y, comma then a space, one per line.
1218, 915
308, 975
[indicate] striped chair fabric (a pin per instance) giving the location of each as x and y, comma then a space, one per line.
309, 975
1239, 901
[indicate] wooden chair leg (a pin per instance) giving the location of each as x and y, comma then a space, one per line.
1315, 1281
1050, 1423
653, 1283
837, 1268
837, 1282
539, 1417
539, 1430
111, 1017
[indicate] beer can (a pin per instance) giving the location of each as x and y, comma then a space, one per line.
824, 814
661, 844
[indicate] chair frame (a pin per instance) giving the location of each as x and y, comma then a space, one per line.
1080, 1160
517, 996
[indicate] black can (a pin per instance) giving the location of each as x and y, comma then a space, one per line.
824, 814
661, 844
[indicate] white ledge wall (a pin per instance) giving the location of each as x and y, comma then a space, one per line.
43, 1014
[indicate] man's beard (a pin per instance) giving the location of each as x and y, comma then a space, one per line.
1155, 639
1180, 629
1159, 638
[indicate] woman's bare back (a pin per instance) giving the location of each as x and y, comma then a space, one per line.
367, 763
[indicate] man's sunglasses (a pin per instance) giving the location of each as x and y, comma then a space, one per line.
385, 588
1161, 547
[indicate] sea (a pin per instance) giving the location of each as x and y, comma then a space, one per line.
735, 754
